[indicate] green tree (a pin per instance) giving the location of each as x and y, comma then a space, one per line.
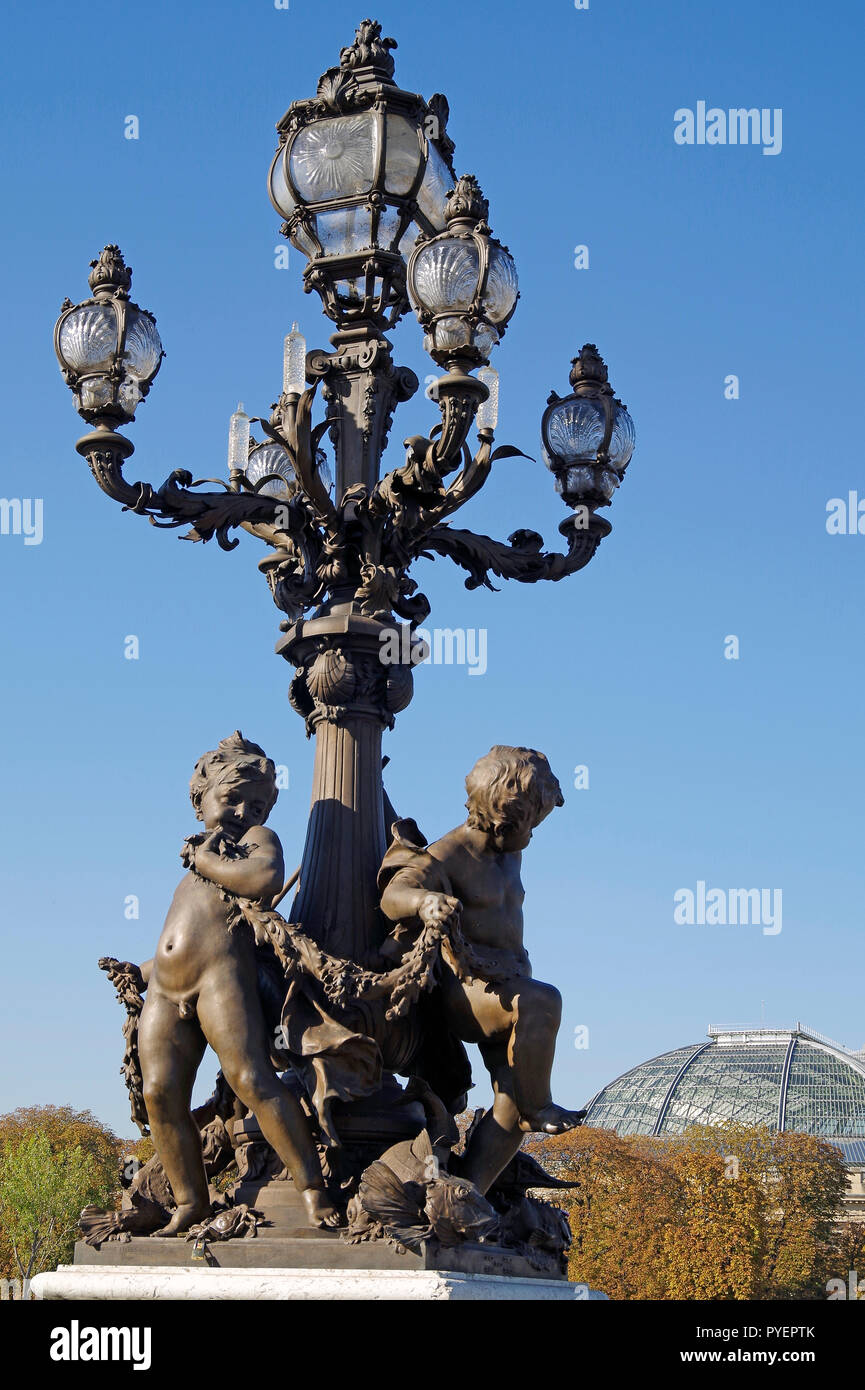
41, 1196
54, 1160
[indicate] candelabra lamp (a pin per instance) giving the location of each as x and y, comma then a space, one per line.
365, 180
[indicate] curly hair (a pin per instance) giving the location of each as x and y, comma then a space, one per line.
505, 776
236, 760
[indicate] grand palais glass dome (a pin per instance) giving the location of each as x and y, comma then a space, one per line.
788, 1079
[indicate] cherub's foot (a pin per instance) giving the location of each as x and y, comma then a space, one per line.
320, 1211
186, 1215
552, 1119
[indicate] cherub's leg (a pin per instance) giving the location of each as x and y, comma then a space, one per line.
171, 1049
531, 1049
525, 1015
480, 1014
498, 1136
233, 1023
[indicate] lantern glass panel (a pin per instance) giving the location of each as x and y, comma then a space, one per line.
403, 155
502, 287
485, 338
451, 333
388, 225
301, 238
129, 395
95, 393
143, 348
437, 184
608, 481
446, 275
622, 440
88, 338
343, 231
408, 240
280, 194
335, 158
268, 459
351, 293
574, 431
578, 482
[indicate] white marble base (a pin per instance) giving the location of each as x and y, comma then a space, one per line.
73, 1282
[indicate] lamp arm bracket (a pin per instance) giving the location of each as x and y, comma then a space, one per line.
291, 426
173, 504
522, 557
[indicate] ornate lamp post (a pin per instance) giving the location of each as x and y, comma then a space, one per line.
364, 178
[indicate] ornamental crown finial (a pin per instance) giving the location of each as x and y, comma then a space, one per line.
466, 201
369, 49
589, 369
110, 272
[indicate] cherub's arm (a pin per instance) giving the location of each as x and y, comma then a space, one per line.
257, 874
409, 895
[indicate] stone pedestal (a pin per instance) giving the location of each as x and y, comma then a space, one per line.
72, 1283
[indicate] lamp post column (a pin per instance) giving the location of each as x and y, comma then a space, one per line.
342, 688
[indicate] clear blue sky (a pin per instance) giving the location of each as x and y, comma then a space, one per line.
704, 262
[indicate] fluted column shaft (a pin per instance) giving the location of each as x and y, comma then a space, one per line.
347, 696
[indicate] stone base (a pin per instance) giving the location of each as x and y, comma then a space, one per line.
309, 1250
113, 1282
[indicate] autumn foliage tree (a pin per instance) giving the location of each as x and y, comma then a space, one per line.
53, 1161
720, 1212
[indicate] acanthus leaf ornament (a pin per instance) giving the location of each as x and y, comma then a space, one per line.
369, 50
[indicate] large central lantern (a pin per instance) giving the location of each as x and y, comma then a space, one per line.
362, 170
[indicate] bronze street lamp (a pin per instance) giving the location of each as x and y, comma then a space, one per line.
365, 180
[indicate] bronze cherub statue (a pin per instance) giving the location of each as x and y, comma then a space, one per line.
468, 884
202, 987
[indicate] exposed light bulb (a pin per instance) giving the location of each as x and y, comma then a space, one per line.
294, 362
488, 411
238, 440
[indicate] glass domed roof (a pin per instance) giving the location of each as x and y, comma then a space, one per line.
790, 1079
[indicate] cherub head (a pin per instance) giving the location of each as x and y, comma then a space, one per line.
510, 791
233, 787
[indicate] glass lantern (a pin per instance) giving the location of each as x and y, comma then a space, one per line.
358, 186
587, 438
108, 348
269, 470
463, 283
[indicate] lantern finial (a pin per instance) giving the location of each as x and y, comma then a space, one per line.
466, 202
588, 374
110, 274
369, 50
